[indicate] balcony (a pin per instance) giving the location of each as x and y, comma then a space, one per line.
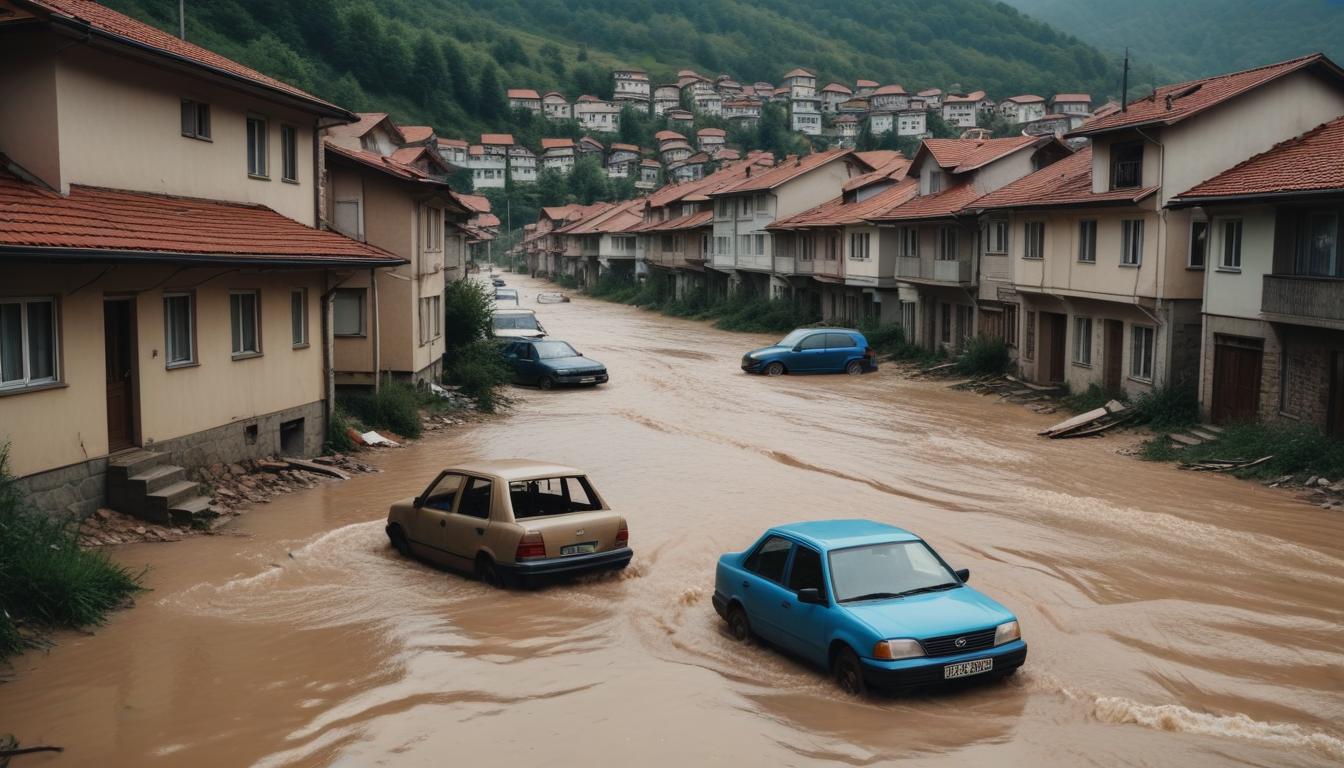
924, 270
1304, 300
994, 266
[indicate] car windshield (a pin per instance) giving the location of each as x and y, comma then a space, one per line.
515, 322
551, 496
793, 338
550, 350
894, 569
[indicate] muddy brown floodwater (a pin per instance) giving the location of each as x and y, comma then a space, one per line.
1174, 618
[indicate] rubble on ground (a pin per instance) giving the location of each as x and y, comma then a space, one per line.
107, 526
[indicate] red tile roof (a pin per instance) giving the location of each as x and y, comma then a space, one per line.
711, 132
1170, 104
523, 93
414, 133
725, 176
668, 136
894, 168
697, 219
1026, 98
1067, 182
365, 123
497, 139
836, 88
458, 143
941, 205
557, 144
890, 90
99, 20
788, 170
624, 148
105, 222
866, 83
616, 217
474, 203
1312, 162
961, 155
800, 72
486, 220
838, 213
1071, 97
964, 98
391, 166
930, 92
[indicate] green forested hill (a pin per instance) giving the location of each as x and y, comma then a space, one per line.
1194, 38
446, 62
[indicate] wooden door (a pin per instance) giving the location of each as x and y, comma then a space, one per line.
1236, 382
1114, 350
118, 345
1335, 425
1059, 325
991, 324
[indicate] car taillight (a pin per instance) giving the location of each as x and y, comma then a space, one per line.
530, 547
623, 535
869, 352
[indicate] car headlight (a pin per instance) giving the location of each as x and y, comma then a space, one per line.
1007, 632
897, 649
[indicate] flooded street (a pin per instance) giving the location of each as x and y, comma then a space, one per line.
1174, 618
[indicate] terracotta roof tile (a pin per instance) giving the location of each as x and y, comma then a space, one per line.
458, 143
557, 144
1071, 97
890, 90
836, 88
894, 168
391, 166
787, 171
838, 213
941, 205
866, 83
1067, 182
961, 155
711, 132
961, 98
107, 221
414, 133
1312, 162
105, 21
522, 93
697, 219
365, 123
497, 139
1170, 104
474, 203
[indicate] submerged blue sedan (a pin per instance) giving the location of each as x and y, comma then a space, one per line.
814, 350
870, 602
549, 363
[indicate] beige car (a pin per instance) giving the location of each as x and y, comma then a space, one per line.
511, 522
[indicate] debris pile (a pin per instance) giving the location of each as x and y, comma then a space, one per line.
1223, 465
107, 526
1009, 388
1094, 422
256, 481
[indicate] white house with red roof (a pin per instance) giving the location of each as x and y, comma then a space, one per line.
597, 115
630, 85
962, 110
892, 98
557, 154
556, 107
1022, 109
524, 98
1071, 103
833, 95
665, 99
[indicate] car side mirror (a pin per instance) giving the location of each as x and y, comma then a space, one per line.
964, 574
419, 502
797, 347
811, 596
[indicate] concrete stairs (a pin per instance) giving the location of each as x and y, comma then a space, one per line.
1196, 435
143, 484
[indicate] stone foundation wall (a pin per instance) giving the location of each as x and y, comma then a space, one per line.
78, 490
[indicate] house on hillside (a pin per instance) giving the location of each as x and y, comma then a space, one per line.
710, 140
622, 160
932, 98
891, 98
524, 98
962, 110
522, 164
1022, 109
864, 89
680, 119
665, 99
557, 154
649, 173
845, 129
166, 277
912, 122
880, 122
587, 145
596, 115
631, 85
453, 151
742, 111
708, 103
832, 95
556, 106
1071, 103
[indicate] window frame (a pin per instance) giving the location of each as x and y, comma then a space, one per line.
1141, 366
431, 326
258, 156
948, 236
784, 569
197, 109
302, 294
26, 382
236, 324
1087, 241
996, 237
1229, 243
1033, 240
362, 295
191, 359
1115, 164
1130, 256
1082, 342
289, 153
1190, 246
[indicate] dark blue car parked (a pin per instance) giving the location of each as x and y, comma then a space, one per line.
549, 363
814, 350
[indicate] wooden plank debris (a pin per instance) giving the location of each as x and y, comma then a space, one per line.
312, 466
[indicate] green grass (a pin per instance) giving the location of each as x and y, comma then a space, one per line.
480, 372
46, 581
1168, 407
1297, 450
983, 356
338, 433
395, 407
1090, 400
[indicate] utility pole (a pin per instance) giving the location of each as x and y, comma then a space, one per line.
182, 19
1124, 84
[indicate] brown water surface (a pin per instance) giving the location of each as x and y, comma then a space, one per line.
1174, 618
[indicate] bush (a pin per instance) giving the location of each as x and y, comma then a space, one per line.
1296, 448
566, 281
46, 580
479, 371
395, 407
338, 433
468, 309
756, 314
887, 339
1171, 406
984, 356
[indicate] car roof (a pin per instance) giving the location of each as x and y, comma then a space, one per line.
832, 330
519, 311
836, 534
515, 469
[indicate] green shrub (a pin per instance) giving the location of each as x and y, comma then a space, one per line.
756, 314
886, 339
395, 407
1170, 406
983, 356
1296, 448
479, 371
468, 309
338, 433
566, 281
46, 580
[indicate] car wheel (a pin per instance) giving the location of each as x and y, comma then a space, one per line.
847, 672
398, 539
546, 382
774, 369
487, 573
738, 625
854, 368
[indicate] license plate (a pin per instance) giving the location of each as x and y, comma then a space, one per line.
967, 668
578, 549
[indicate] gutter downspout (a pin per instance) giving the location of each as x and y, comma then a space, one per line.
328, 353
377, 331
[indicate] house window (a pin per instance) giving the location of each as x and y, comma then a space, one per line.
298, 317
1087, 241
433, 229
1010, 325
762, 204
760, 245
195, 120
908, 245
1231, 250
430, 323
347, 220
858, 245
1082, 340
947, 244
945, 321
807, 247
743, 206
1141, 352
965, 322
1318, 245
1199, 244
1034, 232
1029, 349
1127, 165
935, 182
996, 237
256, 147
27, 342
347, 306
908, 319
1131, 242
832, 247
289, 153
244, 320
178, 329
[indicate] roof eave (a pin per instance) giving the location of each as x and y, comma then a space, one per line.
14, 252
1249, 197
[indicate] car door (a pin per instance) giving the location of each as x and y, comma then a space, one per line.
513, 356
429, 526
809, 354
465, 529
807, 624
763, 588
840, 348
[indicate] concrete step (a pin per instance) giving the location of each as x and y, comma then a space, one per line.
1211, 428
158, 503
1202, 435
134, 463
194, 512
158, 477
1186, 439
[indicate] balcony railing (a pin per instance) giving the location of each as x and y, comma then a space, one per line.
994, 266
933, 270
1316, 300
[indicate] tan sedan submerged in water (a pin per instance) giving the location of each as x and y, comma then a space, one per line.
511, 522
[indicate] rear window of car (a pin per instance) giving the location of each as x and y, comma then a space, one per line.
515, 322
769, 559
551, 496
839, 341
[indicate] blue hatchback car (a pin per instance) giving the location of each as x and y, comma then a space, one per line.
814, 350
870, 602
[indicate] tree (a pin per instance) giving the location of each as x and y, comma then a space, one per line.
552, 58
588, 180
490, 101
456, 72
430, 70
553, 188
936, 125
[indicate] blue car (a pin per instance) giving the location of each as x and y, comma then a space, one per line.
549, 363
870, 602
814, 350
